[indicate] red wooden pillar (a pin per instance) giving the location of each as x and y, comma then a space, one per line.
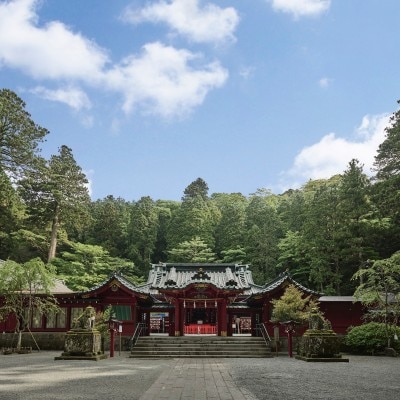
134, 314
148, 323
177, 318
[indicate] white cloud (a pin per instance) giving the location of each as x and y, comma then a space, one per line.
210, 23
301, 8
324, 82
332, 154
161, 80
49, 52
73, 97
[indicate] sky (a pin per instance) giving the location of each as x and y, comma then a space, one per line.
245, 94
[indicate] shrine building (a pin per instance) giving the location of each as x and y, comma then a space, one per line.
181, 299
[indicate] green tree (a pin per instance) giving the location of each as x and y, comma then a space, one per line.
386, 190
291, 306
57, 194
109, 226
380, 290
263, 231
20, 285
193, 251
197, 216
19, 135
197, 188
230, 230
142, 233
83, 266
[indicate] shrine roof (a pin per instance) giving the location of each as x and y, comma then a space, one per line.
123, 281
283, 278
181, 275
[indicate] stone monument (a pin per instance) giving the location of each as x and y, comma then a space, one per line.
319, 342
83, 341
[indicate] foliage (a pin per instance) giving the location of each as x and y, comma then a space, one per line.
291, 306
85, 266
19, 135
379, 289
369, 338
57, 194
20, 284
195, 251
323, 232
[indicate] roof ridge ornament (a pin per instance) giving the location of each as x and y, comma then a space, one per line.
201, 274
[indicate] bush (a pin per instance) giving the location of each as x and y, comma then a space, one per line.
370, 338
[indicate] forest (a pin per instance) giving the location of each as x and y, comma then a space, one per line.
322, 233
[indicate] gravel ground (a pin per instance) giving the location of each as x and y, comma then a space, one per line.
366, 378
37, 376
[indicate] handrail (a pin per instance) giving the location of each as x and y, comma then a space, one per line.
261, 327
140, 327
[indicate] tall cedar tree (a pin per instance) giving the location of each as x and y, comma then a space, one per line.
57, 194
19, 135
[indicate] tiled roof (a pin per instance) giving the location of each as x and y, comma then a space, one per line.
180, 275
285, 276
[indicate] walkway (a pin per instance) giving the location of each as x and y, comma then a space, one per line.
196, 379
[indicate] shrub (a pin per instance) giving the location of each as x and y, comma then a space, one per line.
370, 338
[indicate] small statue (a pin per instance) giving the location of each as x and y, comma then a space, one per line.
85, 320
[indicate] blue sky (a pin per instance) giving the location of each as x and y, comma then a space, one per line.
246, 94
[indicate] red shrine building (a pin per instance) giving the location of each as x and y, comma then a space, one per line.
184, 299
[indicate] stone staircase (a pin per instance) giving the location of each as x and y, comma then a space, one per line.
200, 347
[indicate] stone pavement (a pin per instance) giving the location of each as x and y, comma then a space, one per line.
196, 379
38, 376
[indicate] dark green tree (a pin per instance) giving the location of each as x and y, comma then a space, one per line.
109, 224
142, 233
19, 135
57, 194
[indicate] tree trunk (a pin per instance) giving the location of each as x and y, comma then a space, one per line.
53, 238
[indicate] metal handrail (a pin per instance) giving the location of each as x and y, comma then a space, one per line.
261, 327
140, 327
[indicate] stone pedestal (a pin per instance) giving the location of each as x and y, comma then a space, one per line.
320, 345
82, 344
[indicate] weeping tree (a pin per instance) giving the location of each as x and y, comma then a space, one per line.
26, 288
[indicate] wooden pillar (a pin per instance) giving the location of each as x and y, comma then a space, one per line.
134, 314
171, 330
177, 318
222, 322
230, 322
253, 324
148, 328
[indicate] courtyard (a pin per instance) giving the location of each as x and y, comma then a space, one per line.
37, 376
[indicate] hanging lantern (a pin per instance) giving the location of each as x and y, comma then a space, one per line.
194, 305
205, 303
215, 303
184, 304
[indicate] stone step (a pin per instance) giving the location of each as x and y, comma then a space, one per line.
167, 347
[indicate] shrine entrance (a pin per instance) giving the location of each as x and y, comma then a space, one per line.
200, 320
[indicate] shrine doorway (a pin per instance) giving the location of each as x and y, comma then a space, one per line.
200, 321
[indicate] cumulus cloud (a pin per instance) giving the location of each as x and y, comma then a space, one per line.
160, 80
301, 8
52, 51
209, 24
73, 97
332, 154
